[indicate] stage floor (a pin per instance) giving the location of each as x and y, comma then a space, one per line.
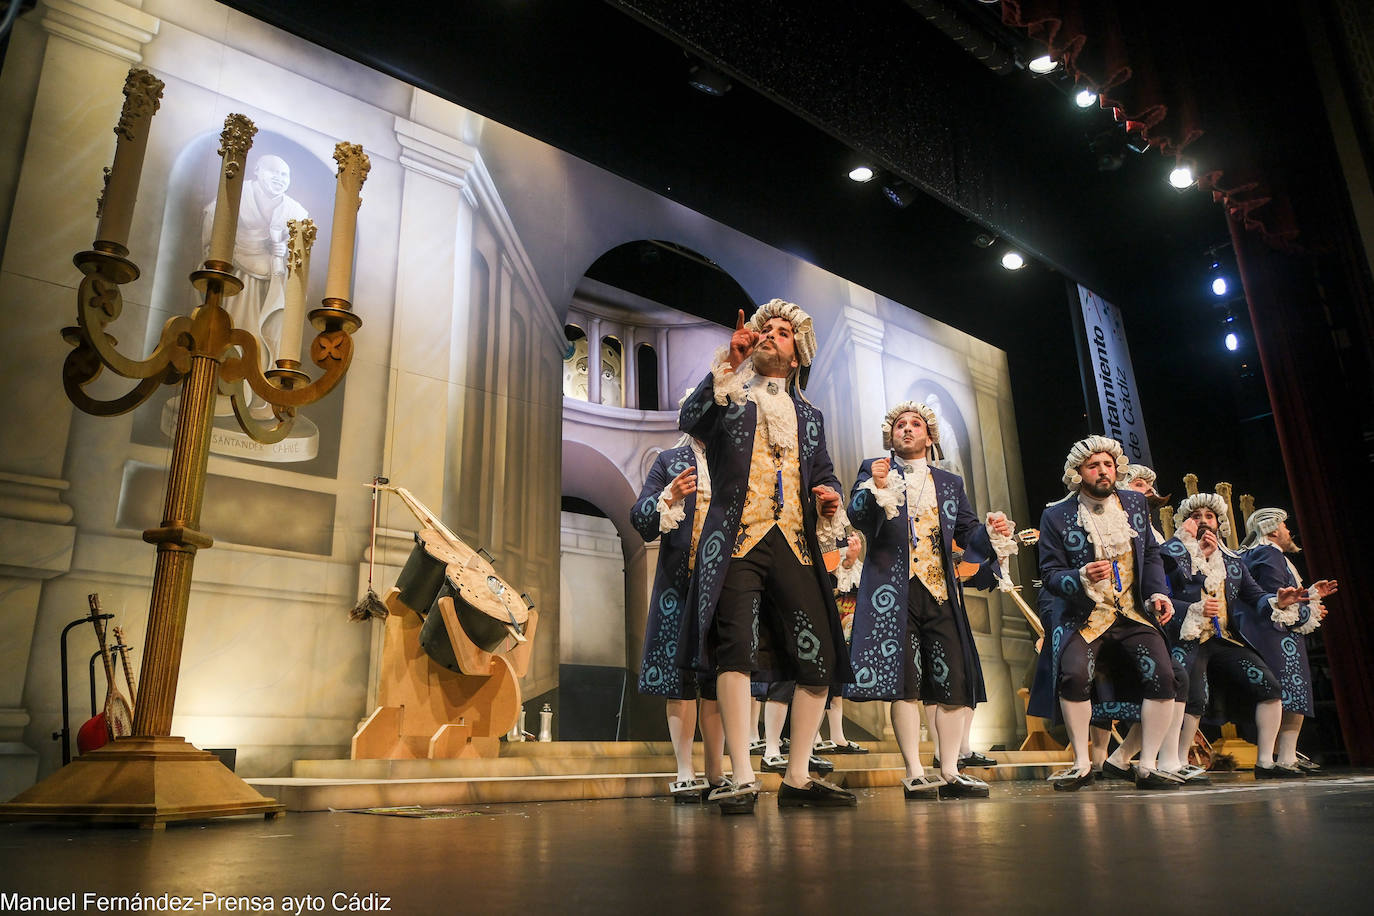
1250, 847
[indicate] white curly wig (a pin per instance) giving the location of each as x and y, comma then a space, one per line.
1129, 472
803, 332
1261, 524
932, 421
1211, 501
1084, 449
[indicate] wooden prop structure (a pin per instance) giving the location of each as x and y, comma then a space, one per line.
425, 708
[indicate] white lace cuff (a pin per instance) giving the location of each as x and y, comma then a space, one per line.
887, 499
847, 579
729, 384
1004, 545
1194, 625
1099, 592
830, 530
669, 517
1314, 613
1283, 616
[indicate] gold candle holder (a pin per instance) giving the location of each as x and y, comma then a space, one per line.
151, 778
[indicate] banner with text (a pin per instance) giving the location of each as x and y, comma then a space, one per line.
1110, 362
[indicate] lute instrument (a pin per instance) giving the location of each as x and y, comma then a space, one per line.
118, 718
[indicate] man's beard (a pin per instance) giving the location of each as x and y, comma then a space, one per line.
769, 361
1099, 491
921, 451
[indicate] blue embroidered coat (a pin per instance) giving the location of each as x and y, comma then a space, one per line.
1284, 651
1244, 601
728, 432
658, 670
880, 615
1064, 549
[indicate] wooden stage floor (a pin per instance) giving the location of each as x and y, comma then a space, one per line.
1238, 845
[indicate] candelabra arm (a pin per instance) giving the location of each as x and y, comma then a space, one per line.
268, 432
285, 388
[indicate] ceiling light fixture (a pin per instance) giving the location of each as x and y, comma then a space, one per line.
1043, 64
1232, 341
1182, 177
708, 80
899, 193
1012, 260
1085, 98
861, 173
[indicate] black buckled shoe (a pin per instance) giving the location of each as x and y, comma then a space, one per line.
964, 786
820, 765
689, 791
849, 747
976, 760
817, 794
1072, 779
1278, 771
922, 787
735, 799
1112, 771
1156, 779
774, 764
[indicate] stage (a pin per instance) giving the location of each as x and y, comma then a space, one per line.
1241, 845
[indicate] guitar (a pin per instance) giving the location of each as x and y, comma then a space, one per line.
118, 718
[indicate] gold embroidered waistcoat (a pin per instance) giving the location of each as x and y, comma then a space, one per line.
762, 509
1119, 601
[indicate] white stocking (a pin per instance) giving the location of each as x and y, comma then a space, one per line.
1169, 760
755, 716
1268, 715
1128, 748
1101, 739
930, 728
1078, 715
1287, 750
949, 723
835, 717
732, 688
808, 708
1155, 716
713, 741
906, 723
774, 718
1186, 734
682, 727
965, 749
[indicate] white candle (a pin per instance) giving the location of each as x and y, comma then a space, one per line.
353, 169
298, 247
234, 143
142, 97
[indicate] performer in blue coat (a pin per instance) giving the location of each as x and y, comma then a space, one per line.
1282, 645
1222, 608
1099, 557
912, 642
774, 491
672, 506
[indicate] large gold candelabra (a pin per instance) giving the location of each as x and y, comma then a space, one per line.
151, 778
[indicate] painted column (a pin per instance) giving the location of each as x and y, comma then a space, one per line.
87, 48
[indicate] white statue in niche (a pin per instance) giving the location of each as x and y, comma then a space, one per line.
575, 373
260, 252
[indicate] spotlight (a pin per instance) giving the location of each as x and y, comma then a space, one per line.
708, 80
1182, 178
1110, 149
1219, 286
861, 174
1042, 64
1013, 261
1232, 341
898, 193
983, 240
1085, 98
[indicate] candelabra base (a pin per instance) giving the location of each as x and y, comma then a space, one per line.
143, 781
